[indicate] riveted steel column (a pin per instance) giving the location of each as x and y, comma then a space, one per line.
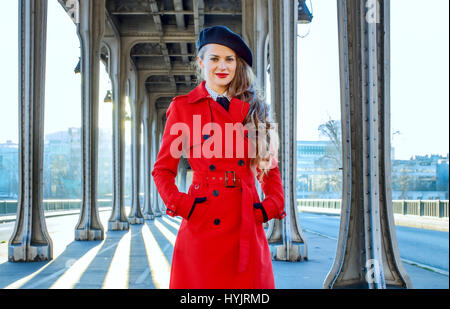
155, 148
283, 59
147, 209
255, 30
135, 216
90, 31
183, 167
163, 120
160, 124
367, 255
30, 240
182, 174
118, 220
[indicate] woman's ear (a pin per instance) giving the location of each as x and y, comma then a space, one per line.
200, 63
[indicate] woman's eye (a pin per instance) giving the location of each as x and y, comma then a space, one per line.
213, 59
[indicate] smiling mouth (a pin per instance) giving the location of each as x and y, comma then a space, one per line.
222, 75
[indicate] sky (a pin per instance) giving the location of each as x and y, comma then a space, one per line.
62, 87
419, 75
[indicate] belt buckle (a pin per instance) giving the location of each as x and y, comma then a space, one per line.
226, 179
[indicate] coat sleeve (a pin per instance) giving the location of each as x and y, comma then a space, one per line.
166, 167
273, 203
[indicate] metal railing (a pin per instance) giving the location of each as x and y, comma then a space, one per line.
9, 207
423, 208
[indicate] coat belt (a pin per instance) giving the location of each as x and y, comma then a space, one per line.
244, 180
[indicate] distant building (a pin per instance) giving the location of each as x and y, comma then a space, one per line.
8, 170
442, 169
421, 177
62, 166
318, 173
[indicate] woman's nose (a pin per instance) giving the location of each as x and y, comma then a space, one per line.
222, 65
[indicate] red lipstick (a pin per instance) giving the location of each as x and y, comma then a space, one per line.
222, 75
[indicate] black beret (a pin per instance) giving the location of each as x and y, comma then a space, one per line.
224, 36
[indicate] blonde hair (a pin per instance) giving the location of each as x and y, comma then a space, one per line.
244, 87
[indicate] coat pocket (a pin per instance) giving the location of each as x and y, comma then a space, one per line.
198, 209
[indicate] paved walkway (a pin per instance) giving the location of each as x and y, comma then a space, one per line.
140, 259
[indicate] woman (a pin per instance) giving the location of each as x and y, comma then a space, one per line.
221, 241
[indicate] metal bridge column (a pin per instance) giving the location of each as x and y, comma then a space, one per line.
283, 64
135, 216
183, 167
162, 124
367, 254
255, 30
155, 148
146, 120
90, 31
118, 220
30, 240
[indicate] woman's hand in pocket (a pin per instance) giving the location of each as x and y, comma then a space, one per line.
198, 200
260, 213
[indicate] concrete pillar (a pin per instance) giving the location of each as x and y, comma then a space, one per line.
135, 216
118, 220
287, 233
367, 254
146, 120
90, 31
30, 240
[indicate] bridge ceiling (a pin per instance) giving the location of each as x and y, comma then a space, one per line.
167, 31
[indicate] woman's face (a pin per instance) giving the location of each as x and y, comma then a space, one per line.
218, 66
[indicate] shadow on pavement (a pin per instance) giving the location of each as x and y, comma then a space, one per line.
96, 272
48, 276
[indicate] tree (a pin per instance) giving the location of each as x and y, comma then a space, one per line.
331, 161
332, 130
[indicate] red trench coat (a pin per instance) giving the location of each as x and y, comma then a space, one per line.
223, 244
